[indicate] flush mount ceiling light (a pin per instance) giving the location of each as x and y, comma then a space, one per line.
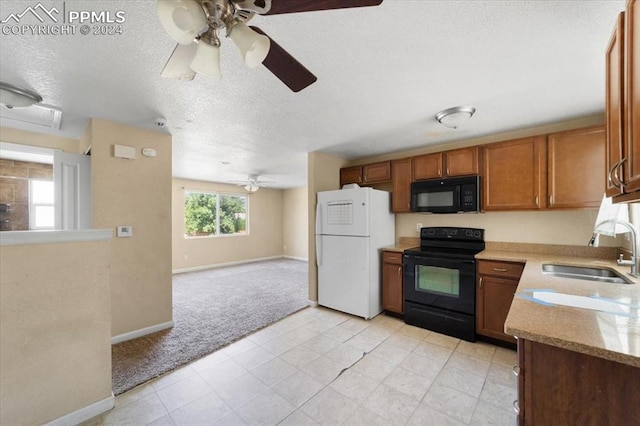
16, 97
456, 116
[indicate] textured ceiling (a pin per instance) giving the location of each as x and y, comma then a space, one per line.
383, 73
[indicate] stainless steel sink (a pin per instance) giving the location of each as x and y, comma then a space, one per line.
585, 273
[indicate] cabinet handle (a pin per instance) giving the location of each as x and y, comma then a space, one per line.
610, 177
551, 200
621, 184
537, 201
516, 407
516, 370
500, 269
480, 285
399, 272
447, 170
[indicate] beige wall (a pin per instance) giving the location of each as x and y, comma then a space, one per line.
295, 223
265, 229
573, 227
324, 175
36, 139
55, 330
137, 193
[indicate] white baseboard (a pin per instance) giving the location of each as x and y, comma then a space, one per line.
220, 265
85, 413
313, 303
141, 332
304, 259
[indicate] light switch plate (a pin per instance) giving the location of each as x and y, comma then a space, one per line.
125, 231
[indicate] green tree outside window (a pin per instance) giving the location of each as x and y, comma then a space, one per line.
209, 214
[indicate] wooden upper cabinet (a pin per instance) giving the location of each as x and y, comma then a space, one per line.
428, 166
350, 175
462, 162
632, 97
614, 109
576, 165
401, 179
514, 174
376, 172
458, 162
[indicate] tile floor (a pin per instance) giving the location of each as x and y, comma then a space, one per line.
319, 366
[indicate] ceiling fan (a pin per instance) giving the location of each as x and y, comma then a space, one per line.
195, 25
252, 184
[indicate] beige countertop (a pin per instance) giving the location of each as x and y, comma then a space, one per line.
403, 244
603, 334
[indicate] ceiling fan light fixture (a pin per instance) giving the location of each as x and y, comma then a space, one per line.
183, 20
16, 97
206, 60
456, 116
253, 46
251, 188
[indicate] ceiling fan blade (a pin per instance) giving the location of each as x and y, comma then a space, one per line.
284, 66
293, 6
178, 64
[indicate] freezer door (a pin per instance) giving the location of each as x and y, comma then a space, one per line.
344, 278
343, 212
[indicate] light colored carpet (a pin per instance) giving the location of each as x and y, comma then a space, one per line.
211, 309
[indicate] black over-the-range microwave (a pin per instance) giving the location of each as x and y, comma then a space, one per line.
448, 195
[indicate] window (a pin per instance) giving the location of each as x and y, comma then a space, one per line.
41, 211
208, 214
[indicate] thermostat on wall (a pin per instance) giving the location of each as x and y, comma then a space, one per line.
148, 152
125, 231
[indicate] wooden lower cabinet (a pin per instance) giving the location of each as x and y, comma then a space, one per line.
497, 283
392, 277
561, 387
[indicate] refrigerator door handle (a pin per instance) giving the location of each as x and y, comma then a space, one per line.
318, 218
318, 230
318, 251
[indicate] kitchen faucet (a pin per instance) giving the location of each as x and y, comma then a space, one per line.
633, 262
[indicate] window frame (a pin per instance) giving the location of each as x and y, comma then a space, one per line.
218, 195
33, 205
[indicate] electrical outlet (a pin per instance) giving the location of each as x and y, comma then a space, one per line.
418, 227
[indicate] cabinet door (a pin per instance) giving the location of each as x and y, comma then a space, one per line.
493, 300
514, 175
350, 175
401, 179
392, 293
462, 162
576, 165
563, 387
377, 172
632, 98
428, 166
614, 109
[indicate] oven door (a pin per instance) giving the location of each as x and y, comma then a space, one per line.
444, 283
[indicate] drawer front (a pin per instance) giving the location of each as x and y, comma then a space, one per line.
500, 269
392, 257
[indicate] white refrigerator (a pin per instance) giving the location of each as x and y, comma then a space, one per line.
351, 226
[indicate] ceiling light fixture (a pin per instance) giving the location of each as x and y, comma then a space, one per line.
16, 97
456, 116
251, 188
188, 21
